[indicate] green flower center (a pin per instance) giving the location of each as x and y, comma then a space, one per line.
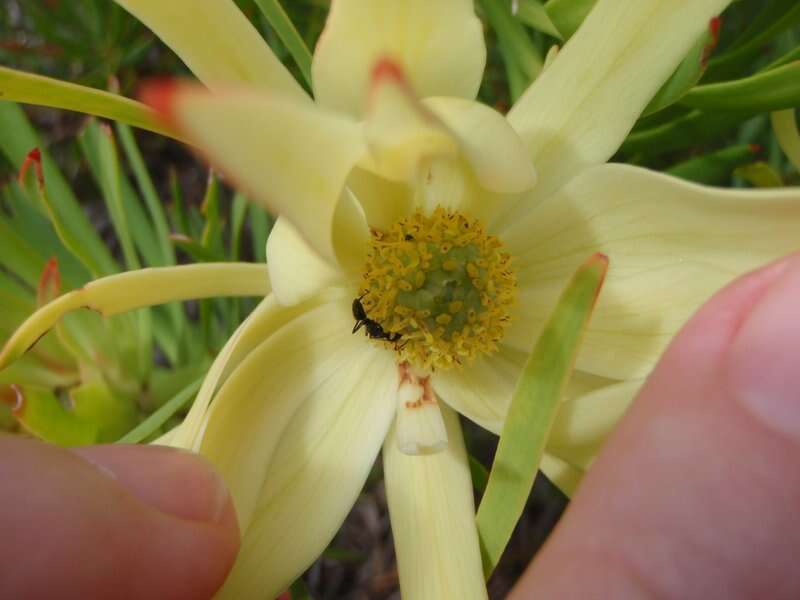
439, 288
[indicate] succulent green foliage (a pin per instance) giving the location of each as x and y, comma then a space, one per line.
100, 377
751, 71
769, 90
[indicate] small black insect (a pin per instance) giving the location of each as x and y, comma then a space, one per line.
373, 329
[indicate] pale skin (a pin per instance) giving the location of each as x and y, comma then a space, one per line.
694, 496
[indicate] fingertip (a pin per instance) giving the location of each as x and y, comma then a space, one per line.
173, 481
199, 536
692, 497
126, 523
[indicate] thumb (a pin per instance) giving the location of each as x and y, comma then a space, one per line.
111, 521
696, 493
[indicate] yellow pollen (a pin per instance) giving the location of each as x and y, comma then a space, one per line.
439, 288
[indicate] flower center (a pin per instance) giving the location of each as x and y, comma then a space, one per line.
437, 289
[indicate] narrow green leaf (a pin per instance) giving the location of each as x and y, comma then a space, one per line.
238, 214
155, 421
567, 15
715, 168
99, 148
692, 129
195, 249
775, 17
28, 88
28, 263
28, 218
67, 234
180, 221
17, 140
29, 371
165, 383
210, 209
760, 174
533, 410
479, 473
791, 56
283, 26
784, 125
148, 192
533, 14
515, 45
135, 334
260, 226
776, 89
688, 73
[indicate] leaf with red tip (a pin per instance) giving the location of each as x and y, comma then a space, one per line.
45, 91
136, 289
766, 91
49, 284
65, 230
689, 72
34, 158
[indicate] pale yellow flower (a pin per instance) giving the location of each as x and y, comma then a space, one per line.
296, 408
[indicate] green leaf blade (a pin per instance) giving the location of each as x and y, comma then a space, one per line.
775, 89
533, 410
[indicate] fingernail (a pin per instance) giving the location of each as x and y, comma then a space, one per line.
172, 481
763, 363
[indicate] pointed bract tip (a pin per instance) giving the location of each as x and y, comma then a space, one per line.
387, 68
49, 283
159, 94
714, 26
34, 158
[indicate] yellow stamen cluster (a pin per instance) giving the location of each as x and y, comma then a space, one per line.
443, 284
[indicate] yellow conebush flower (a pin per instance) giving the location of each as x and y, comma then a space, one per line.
456, 228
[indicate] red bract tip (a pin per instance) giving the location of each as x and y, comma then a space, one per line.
34, 158
713, 27
756, 148
159, 94
386, 68
49, 283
